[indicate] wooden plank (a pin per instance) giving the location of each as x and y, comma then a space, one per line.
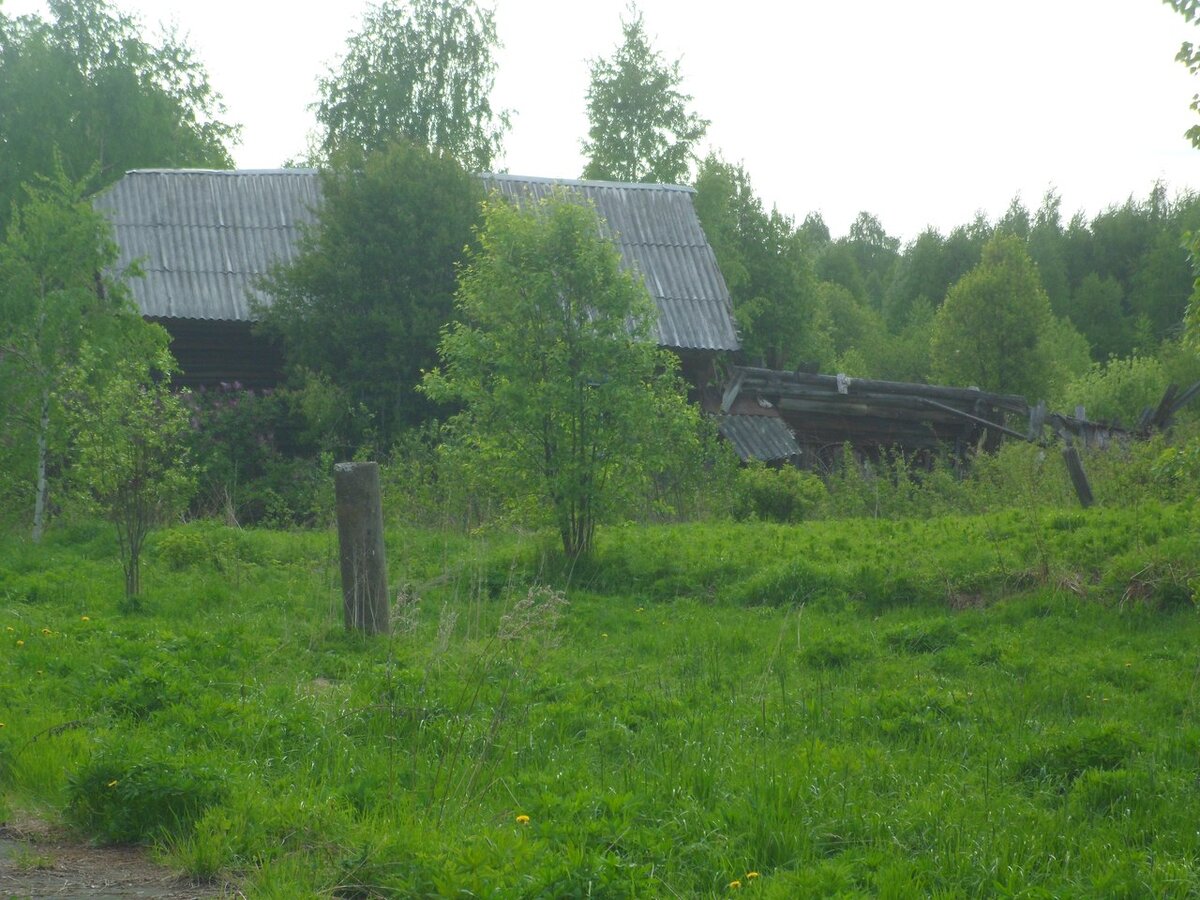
1083, 490
1037, 421
732, 391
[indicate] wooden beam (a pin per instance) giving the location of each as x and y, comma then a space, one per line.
731, 392
976, 419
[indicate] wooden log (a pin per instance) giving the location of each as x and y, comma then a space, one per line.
1037, 421
360, 538
849, 409
991, 426
1161, 418
790, 382
1083, 490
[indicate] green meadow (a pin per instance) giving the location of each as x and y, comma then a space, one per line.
1001, 705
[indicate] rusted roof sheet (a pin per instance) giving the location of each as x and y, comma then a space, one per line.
659, 235
205, 237
765, 438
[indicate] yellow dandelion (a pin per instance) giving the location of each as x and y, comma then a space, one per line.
113, 783
604, 634
47, 632
20, 643
750, 876
85, 618
8, 628
734, 885
522, 820
1, 724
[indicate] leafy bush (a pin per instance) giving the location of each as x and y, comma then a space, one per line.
777, 495
1120, 389
254, 462
129, 791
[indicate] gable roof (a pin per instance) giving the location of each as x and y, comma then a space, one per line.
659, 235
203, 238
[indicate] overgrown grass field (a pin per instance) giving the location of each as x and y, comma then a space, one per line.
956, 706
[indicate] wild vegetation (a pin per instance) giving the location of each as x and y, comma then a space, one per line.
999, 702
882, 679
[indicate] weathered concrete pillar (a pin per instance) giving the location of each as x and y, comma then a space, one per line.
360, 537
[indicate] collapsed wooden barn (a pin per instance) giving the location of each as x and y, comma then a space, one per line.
205, 238
827, 412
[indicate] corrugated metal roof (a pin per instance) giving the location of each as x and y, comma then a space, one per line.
656, 229
204, 238
765, 438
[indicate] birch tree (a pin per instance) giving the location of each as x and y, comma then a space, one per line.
56, 287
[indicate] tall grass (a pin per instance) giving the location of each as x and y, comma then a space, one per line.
964, 705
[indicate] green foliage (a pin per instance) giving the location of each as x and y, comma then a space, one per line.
1120, 390
131, 791
640, 128
419, 71
568, 403
990, 331
764, 265
86, 87
128, 462
57, 288
1065, 757
777, 495
654, 732
1069, 353
236, 440
362, 304
1096, 310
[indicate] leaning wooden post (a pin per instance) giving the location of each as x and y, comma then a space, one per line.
1079, 480
360, 537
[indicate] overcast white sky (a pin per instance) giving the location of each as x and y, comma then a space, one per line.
922, 112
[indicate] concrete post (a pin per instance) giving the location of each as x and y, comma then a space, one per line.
360, 538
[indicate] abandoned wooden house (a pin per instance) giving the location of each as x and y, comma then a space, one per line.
205, 238
825, 412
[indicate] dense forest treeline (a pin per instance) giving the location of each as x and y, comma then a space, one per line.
867, 305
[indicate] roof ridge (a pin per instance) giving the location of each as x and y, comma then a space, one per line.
283, 170
587, 182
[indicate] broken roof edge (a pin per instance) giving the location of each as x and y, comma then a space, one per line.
586, 183
755, 377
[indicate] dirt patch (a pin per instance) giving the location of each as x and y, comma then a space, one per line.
39, 860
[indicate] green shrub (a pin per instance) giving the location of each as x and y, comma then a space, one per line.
777, 495
129, 792
1119, 390
255, 462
